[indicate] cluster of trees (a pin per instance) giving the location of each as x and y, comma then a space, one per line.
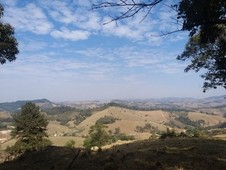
192, 132
98, 136
64, 114
106, 120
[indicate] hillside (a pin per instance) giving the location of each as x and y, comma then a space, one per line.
66, 123
142, 124
15, 106
169, 154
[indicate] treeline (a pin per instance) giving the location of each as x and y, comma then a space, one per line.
64, 114
139, 108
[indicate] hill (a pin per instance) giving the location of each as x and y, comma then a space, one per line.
169, 154
15, 106
142, 124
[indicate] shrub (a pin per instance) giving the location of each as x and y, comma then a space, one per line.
99, 137
70, 143
168, 134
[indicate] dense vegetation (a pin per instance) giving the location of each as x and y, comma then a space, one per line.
98, 136
106, 120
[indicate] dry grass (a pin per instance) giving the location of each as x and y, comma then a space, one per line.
61, 140
210, 120
128, 120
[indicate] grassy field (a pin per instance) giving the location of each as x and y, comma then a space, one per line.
61, 140
56, 141
168, 154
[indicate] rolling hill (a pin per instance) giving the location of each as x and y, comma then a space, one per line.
15, 106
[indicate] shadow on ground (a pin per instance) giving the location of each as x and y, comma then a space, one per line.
181, 154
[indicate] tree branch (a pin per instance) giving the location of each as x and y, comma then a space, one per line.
132, 8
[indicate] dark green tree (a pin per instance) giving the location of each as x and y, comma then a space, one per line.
206, 23
30, 130
210, 56
98, 136
8, 42
206, 48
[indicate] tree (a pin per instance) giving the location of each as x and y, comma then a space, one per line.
206, 48
30, 127
206, 23
8, 42
211, 56
98, 136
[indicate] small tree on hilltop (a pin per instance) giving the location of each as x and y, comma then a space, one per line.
30, 127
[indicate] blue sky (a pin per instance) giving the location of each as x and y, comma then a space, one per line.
67, 53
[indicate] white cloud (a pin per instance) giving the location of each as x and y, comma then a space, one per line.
28, 18
73, 35
32, 45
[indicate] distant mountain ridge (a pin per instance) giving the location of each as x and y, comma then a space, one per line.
162, 103
15, 106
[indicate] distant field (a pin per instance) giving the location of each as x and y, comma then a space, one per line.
61, 140
57, 141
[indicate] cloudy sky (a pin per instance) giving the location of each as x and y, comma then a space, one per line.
67, 53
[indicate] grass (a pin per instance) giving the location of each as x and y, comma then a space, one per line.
168, 154
56, 141
61, 140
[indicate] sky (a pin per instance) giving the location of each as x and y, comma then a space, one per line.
68, 53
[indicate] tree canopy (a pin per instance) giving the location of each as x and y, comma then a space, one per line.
206, 48
8, 42
206, 23
30, 127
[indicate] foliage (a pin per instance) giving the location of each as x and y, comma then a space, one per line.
59, 110
3, 126
98, 136
106, 120
206, 22
187, 121
8, 42
168, 134
210, 56
30, 126
82, 116
146, 128
202, 17
70, 143
194, 132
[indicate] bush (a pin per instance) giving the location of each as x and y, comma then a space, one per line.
70, 143
168, 134
99, 137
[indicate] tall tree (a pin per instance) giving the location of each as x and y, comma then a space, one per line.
205, 21
8, 42
206, 48
30, 127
